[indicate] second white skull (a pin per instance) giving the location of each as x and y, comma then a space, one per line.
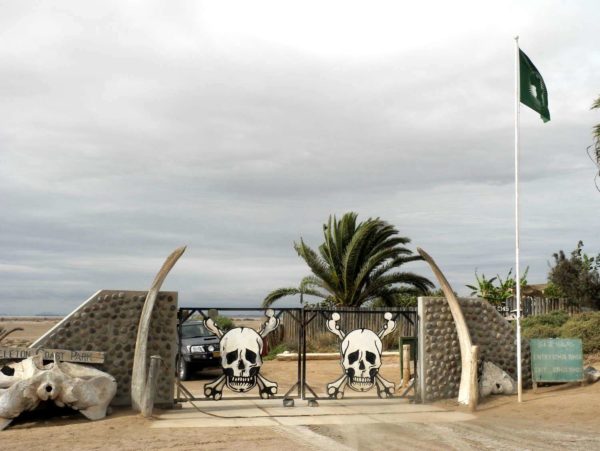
361, 358
241, 360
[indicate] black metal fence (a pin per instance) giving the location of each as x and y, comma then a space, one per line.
298, 326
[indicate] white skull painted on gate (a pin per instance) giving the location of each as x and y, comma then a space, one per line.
360, 352
240, 358
361, 358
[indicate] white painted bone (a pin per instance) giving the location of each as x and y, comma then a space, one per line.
265, 386
79, 387
270, 325
385, 388
334, 327
336, 389
388, 327
214, 389
464, 337
213, 327
139, 372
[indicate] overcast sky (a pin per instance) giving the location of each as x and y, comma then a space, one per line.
128, 129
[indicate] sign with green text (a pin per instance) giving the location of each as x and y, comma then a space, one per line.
556, 359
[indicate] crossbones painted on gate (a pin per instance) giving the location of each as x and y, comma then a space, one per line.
241, 350
360, 353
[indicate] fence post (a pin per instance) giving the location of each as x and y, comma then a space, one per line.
150, 392
405, 365
474, 383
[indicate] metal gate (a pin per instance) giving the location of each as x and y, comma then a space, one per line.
360, 334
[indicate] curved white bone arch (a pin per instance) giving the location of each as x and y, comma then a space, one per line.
464, 337
140, 358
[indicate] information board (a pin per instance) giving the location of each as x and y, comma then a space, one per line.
556, 359
62, 355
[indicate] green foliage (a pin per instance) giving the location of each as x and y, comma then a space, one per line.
577, 276
585, 326
224, 323
356, 264
280, 348
540, 331
496, 290
559, 325
438, 292
408, 299
553, 319
544, 326
552, 291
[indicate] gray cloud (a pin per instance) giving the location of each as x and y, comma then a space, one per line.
131, 128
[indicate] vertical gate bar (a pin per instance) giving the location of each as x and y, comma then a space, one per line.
299, 328
416, 376
303, 353
178, 355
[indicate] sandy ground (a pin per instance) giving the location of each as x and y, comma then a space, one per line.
33, 327
557, 417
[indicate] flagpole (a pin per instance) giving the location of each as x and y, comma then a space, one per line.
517, 271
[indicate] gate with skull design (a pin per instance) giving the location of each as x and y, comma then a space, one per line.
361, 348
241, 350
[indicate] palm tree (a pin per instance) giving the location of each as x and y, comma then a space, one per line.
356, 264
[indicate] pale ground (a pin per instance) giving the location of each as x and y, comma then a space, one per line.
558, 417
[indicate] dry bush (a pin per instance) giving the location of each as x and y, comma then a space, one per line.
324, 342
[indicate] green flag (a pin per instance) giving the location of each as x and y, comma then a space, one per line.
534, 93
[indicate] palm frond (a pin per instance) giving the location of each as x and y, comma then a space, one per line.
317, 266
275, 295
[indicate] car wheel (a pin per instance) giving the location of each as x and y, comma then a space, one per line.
183, 370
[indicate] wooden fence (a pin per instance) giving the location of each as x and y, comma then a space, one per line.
317, 334
531, 306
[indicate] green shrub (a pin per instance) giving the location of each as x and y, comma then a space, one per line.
585, 326
281, 347
324, 342
560, 325
224, 323
540, 331
554, 319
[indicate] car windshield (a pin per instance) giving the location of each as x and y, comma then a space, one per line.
195, 330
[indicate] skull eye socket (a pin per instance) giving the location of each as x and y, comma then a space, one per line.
231, 356
353, 357
371, 357
250, 356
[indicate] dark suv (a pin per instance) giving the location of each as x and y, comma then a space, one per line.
199, 349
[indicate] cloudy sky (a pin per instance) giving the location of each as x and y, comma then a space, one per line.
130, 128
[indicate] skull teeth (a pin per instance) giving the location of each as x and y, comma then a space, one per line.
362, 380
241, 379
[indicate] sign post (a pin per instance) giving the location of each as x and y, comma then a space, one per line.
556, 360
62, 355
